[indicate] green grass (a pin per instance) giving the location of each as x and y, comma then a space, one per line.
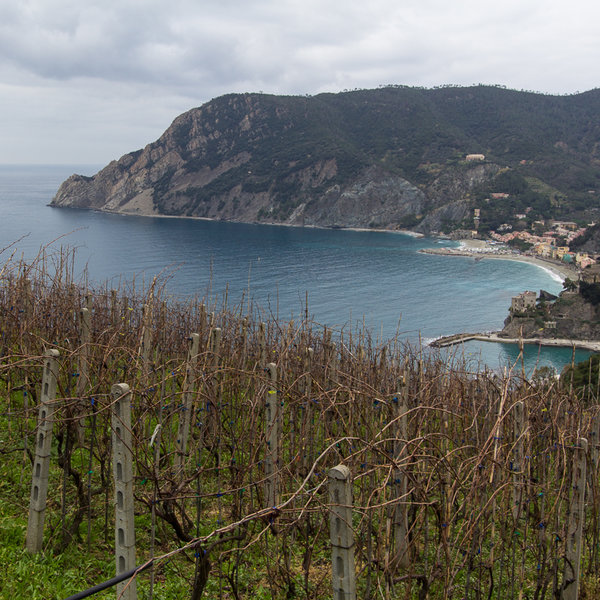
456, 456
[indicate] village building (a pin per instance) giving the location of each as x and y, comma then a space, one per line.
591, 274
544, 249
564, 225
584, 260
581, 257
523, 302
559, 252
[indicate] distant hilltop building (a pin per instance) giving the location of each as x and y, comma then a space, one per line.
564, 225
475, 157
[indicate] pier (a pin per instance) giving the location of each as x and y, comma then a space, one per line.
459, 338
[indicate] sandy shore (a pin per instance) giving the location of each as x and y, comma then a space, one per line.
480, 249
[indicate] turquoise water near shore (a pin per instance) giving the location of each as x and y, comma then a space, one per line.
342, 279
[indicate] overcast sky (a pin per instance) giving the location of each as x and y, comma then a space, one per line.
86, 81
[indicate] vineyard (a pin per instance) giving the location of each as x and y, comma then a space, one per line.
233, 456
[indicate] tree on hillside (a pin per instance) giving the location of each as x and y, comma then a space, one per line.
584, 376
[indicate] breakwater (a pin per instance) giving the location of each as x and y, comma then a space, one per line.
496, 337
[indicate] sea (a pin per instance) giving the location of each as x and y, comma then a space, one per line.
348, 281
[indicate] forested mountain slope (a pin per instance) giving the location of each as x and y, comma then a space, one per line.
391, 157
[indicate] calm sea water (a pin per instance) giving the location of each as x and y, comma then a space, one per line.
341, 278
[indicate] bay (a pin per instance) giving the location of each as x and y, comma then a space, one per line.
342, 279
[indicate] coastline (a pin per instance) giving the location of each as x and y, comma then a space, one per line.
407, 232
459, 338
479, 250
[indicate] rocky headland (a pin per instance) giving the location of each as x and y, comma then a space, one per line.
227, 160
570, 319
393, 158
571, 316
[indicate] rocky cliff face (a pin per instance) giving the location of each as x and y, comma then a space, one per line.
299, 161
570, 317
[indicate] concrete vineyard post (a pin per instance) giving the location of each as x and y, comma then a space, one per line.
27, 299
308, 414
341, 533
83, 377
114, 309
400, 481
123, 476
517, 459
215, 345
496, 406
85, 337
333, 378
383, 358
125, 317
244, 339
292, 414
594, 441
290, 335
272, 435
215, 349
308, 361
185, 415
262, 344
576, 518
43, 445
330, 360
445, 482
146, 342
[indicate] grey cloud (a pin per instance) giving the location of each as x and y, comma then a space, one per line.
119, 71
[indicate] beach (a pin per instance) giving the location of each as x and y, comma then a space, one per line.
481, 249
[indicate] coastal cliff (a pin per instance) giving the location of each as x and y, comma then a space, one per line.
573, 315
390, 158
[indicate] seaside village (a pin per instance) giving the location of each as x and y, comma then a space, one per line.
548, 239
547, 244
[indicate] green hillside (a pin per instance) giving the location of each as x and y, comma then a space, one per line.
260, 157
